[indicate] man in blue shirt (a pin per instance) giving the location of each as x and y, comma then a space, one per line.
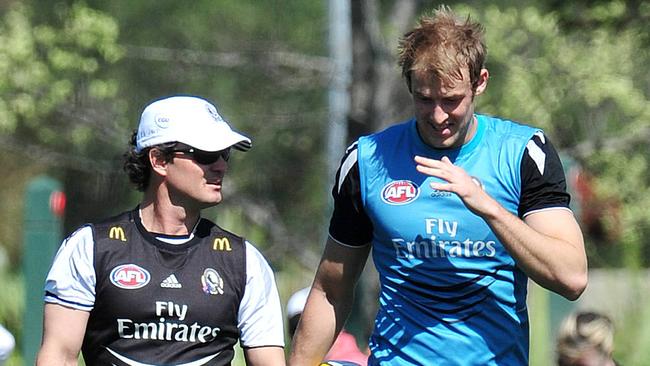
459, 210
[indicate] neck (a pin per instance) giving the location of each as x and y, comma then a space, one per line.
166, 218
471, 130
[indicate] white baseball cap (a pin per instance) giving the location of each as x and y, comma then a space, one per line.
188, 119
297, 302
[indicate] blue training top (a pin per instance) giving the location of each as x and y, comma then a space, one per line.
450, 293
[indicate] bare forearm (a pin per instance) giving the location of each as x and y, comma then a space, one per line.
548, 246
319, 325
265, 356
329, 303
63, 334
47, 357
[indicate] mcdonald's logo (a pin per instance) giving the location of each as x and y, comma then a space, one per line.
221, 244
117, 233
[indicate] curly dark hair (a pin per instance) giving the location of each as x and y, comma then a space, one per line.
137, 165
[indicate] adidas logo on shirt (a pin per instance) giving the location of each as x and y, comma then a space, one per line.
171, 282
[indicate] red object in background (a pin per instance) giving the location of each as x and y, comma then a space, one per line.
595, 210
57, 203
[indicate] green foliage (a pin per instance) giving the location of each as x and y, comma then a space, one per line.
621, 176
49, 69
261, 91
74, 77
569, 84
12, 298
632, 332
587, 88
43, 66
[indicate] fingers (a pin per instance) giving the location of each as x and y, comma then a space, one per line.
452, 177
445, 175
421, 160
441, 186
437, 168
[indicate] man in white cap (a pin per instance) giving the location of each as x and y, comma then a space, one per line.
160, 285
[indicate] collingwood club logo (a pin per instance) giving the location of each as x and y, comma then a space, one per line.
171, 282
212, 282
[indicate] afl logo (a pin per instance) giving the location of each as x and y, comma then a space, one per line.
130, 276
400, 192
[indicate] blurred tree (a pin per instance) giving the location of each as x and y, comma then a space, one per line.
615, 15
75, 75
261, 63
269, 75
588, 90
577, 70
50, 77
586, 86
49, 73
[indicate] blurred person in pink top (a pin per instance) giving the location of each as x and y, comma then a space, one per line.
344, 351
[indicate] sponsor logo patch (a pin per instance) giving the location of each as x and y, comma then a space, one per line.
130, 276
400, 192
212, 282
171, 282
117, 233
221, 244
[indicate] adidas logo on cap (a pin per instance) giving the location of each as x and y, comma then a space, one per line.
171, 282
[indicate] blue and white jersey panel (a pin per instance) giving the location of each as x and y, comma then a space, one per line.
440, 264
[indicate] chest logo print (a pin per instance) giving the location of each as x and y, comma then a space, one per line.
130, 276
400, 192
117, 233
171, 282
221, 244
212, 282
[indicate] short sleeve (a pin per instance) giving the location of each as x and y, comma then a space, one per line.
349, 224
260, 313
543, 184
71, 279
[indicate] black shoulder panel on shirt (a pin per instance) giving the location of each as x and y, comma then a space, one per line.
349, 223
543, 184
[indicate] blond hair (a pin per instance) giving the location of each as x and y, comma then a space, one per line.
582, 332
445, 45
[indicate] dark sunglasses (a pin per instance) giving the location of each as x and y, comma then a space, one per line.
205, 157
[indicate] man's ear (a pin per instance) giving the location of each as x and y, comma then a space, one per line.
482, 82
158, 162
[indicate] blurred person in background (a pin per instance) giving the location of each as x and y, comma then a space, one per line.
459, 209
161, 285
7, 344
586, 339
344, 349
